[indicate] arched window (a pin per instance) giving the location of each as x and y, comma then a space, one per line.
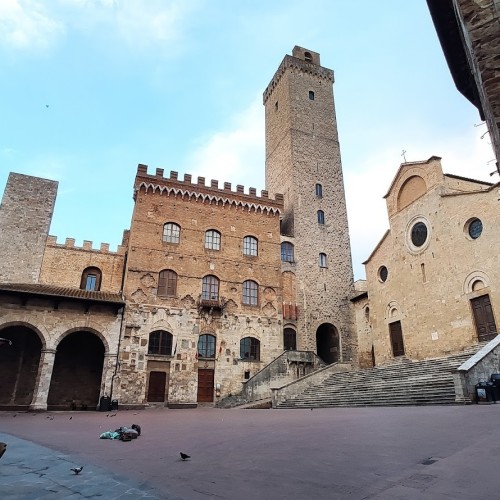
212, 239
311, 95
91, 279
171, 233
250, 246
308, 57
321, 217
250, 293
289, 339
160, 342
167, 283
250, 348
206, 346
322, 260
319, 191
286, 252
210, 288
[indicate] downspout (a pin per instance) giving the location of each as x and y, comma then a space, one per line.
121, 329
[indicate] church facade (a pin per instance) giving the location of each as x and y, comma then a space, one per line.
432, 282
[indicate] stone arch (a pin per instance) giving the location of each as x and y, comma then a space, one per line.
471, 281
20, 363
413, 187
328, 343
11, 323
90, 327
392, 311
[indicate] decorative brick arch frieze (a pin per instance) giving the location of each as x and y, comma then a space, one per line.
42, 332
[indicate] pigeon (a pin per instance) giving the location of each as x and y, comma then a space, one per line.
137, 428
184, 456
3, 447
77, 470
70, 418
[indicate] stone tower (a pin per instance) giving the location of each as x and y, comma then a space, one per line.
303, 163
25, 217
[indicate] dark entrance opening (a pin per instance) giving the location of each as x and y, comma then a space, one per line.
289, 339
156, 387
483, 318
205, 386
327, 343
396, 333
76, 378
19, 366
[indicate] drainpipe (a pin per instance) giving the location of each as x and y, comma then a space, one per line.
121, 329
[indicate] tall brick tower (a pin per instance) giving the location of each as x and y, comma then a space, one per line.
303, 163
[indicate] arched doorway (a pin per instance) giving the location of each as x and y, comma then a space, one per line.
327, 343
289, 339
19, 366
76, 378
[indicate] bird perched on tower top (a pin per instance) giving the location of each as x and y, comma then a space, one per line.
184, 456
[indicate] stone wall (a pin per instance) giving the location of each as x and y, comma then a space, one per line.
25, 216
479, 367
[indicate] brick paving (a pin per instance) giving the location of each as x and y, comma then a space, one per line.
408, 453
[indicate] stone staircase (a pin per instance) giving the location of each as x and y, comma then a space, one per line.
402, 383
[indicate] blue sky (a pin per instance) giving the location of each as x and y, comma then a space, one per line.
91, 88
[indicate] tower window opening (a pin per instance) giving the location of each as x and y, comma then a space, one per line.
322, 260
321, 217
276, 106
311, 95
319, 191
308, 57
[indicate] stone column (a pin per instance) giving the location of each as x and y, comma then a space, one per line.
108, 370
42, 386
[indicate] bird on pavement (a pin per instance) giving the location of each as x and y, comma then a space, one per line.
77, 470
184, 456
3, 447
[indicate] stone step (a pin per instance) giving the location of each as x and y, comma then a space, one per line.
404, 382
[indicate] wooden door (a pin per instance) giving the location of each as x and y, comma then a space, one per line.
483, 318
396, 332
205, 386
156, 388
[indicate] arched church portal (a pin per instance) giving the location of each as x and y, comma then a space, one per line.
76, 378
327, 343
19, 366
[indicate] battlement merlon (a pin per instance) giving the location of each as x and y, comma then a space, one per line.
87, 246
158, 181
303, 60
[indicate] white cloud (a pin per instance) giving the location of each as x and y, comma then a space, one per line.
234, 155
25, 24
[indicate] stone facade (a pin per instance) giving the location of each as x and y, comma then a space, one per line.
303, 162
432, 281
187, 314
